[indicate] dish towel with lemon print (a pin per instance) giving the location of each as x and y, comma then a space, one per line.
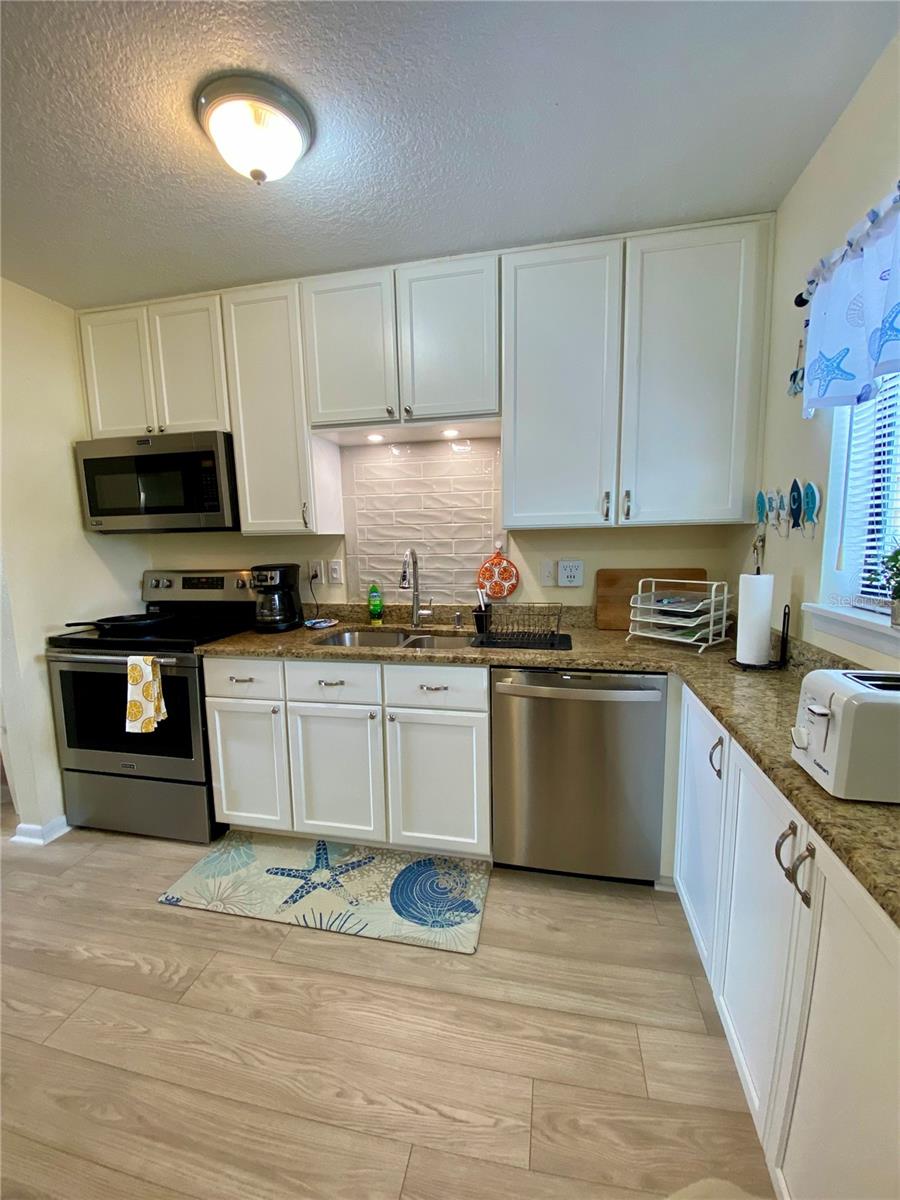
146, 707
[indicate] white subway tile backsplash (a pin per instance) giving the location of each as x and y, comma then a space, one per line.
421, 494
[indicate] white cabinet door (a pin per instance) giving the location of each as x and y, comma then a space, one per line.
701, 822
841, 1138
695, 305
561, 330
189, 364
262, 344
448, 330
439, 780
759, 910
117, 374
337, 770
350, 346
249, 759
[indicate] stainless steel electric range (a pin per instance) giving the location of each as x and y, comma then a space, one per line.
157, 783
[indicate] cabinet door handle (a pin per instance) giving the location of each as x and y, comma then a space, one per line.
149, 428
162, 429
808, 853
391, 717
240, 679
372, 716
331, 682
304, 512
790, 832
429, 687
407, 408
275, 710
604, 507
626, 504
718, 744
389, 411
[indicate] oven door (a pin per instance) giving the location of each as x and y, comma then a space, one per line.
89, 696
176, 482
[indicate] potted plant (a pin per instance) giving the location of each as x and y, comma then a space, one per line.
888, 573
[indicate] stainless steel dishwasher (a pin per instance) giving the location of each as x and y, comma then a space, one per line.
577, 769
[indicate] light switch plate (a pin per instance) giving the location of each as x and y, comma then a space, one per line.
548, 572
335, 570
570, 572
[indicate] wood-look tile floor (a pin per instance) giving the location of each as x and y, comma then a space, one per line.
159, 1053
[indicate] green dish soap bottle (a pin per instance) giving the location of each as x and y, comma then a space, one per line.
376, 605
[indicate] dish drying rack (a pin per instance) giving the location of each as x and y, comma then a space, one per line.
525, 627
680, 610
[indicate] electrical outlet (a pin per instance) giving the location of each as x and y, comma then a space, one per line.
548, 572
570, 572
335, 570
316, 570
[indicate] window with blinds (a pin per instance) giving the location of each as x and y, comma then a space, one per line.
871, 514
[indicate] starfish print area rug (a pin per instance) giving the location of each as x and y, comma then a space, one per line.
422, 899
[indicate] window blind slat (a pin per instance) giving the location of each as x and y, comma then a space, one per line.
872, 497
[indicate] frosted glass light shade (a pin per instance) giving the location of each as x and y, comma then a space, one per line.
258, 128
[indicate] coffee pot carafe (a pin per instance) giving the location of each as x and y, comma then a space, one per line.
277, 587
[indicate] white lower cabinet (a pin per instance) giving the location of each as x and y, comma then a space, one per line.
337, 770
321, 769
700, 825
439, 780
839, 1135
804, 969
761, 915
248, 755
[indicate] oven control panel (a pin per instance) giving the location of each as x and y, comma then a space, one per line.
195, 585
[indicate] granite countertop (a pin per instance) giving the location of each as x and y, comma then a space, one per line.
757, 708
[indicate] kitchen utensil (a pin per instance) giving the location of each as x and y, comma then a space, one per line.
616, 586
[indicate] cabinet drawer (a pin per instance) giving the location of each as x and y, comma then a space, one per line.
461, 688
244, 678
333, 682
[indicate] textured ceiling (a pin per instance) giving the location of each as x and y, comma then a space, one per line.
440, 128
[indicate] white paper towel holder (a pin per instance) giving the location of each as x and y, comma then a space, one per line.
775, 664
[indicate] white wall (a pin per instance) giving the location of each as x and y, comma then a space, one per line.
53, 570
854, 168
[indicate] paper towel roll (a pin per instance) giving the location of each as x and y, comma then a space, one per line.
754, 619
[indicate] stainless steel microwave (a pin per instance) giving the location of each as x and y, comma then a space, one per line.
176, 482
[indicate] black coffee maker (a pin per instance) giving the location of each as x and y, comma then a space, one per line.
277, 587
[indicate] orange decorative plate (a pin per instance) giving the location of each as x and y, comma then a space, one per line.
498, 576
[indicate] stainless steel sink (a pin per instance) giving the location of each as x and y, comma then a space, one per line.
366, 637
402, 639
438, 641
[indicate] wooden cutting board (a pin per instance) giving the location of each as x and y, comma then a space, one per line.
616, 587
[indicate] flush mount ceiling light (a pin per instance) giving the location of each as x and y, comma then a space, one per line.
259, 127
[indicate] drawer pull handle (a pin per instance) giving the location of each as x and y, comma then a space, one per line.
240, 679
718, 744
790, 832
808, 853
331, 682
430, 687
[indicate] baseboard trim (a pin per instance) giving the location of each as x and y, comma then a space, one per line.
41, 835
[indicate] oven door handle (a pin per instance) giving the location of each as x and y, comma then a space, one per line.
120, 659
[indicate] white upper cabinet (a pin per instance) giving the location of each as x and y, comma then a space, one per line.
695, 308
448, 332
561, 334
350, 346
276, 461
117, 372
188, 357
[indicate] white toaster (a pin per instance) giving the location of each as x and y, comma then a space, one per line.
847, 734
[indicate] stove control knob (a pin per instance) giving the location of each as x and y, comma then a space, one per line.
154, 583
166, 583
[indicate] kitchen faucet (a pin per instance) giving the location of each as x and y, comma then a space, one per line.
409, 578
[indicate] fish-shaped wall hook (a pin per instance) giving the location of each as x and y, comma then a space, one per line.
795, 501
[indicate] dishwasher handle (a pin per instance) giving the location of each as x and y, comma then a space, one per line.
607, 695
